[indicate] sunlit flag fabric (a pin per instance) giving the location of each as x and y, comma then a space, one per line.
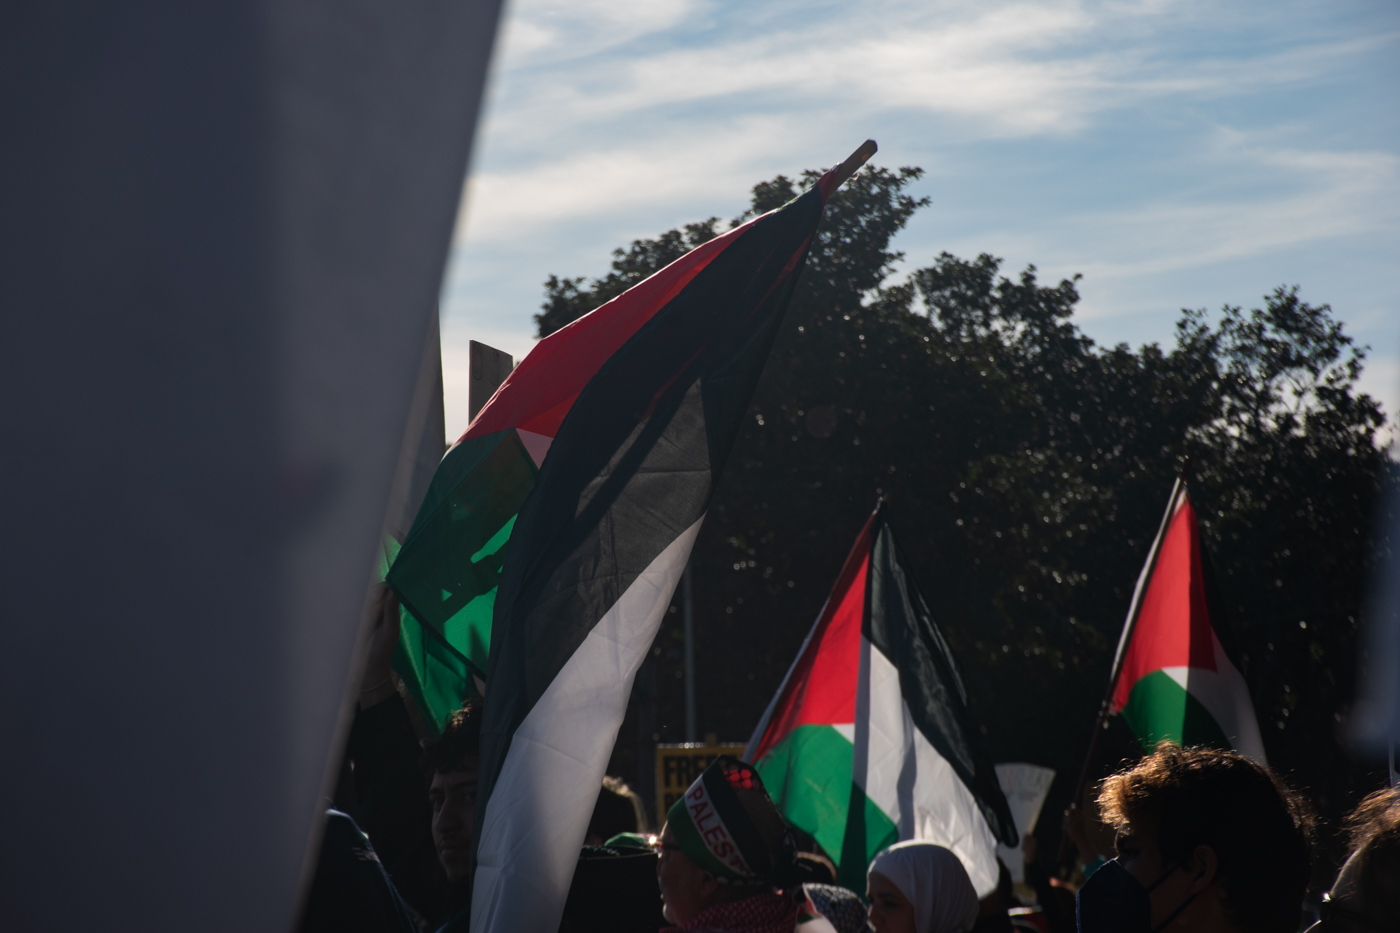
869, 740
1174, 679
600, 543
447, 573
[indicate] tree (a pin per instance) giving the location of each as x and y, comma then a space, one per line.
1028, 469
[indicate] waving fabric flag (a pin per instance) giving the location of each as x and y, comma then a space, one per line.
869, 740
447, 573
1175, 681
599, 545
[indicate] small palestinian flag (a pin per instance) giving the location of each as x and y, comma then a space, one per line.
1174, 679
447, 573
869, 740
599, 545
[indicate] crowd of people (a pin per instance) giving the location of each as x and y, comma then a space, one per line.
1205, 840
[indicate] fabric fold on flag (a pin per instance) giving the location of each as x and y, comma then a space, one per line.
869, 741
599, 544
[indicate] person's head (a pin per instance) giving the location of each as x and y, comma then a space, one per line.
1217, 840
618, 810
815, 868
842, 908
1366, 894
452, 760
614, 890
723, 841
687, 887
919, 887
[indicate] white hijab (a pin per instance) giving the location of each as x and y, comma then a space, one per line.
934, 882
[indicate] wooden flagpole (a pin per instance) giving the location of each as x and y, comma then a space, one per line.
854, 161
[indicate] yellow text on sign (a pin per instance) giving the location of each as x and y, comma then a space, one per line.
677, 767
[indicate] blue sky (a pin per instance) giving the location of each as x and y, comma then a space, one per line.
1178, 154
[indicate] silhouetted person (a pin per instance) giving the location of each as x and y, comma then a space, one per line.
1207, 841
416, 803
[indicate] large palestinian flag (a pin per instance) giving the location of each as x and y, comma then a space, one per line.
447, 573
599, 545
1174, 680
869, 740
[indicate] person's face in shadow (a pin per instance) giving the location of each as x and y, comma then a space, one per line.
686, 888
453, 796
1187, 893
890, 911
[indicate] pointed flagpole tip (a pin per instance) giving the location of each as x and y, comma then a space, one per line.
854, 161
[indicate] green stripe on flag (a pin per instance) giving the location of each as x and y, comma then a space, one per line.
453, 553
448, 569
469, 628
868, 830
808, 775
437, 677
1161, 710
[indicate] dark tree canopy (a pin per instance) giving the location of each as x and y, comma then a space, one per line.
1028, 470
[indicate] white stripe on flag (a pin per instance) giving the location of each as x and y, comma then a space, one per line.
906, 777
538, 813
882, 763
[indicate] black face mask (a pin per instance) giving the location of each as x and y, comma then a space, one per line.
1113, 901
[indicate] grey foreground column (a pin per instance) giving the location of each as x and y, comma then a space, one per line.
222, 232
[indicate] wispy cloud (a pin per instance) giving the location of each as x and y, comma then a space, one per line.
549, 32
1315, 195
1130, 141
707, 164
590, 117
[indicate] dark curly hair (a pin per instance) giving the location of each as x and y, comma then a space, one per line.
1259, 828
460, 739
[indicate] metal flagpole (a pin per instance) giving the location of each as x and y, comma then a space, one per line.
688, 608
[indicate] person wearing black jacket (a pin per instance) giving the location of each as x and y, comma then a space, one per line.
416, 805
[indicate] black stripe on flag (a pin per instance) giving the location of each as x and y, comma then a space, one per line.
899, 624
